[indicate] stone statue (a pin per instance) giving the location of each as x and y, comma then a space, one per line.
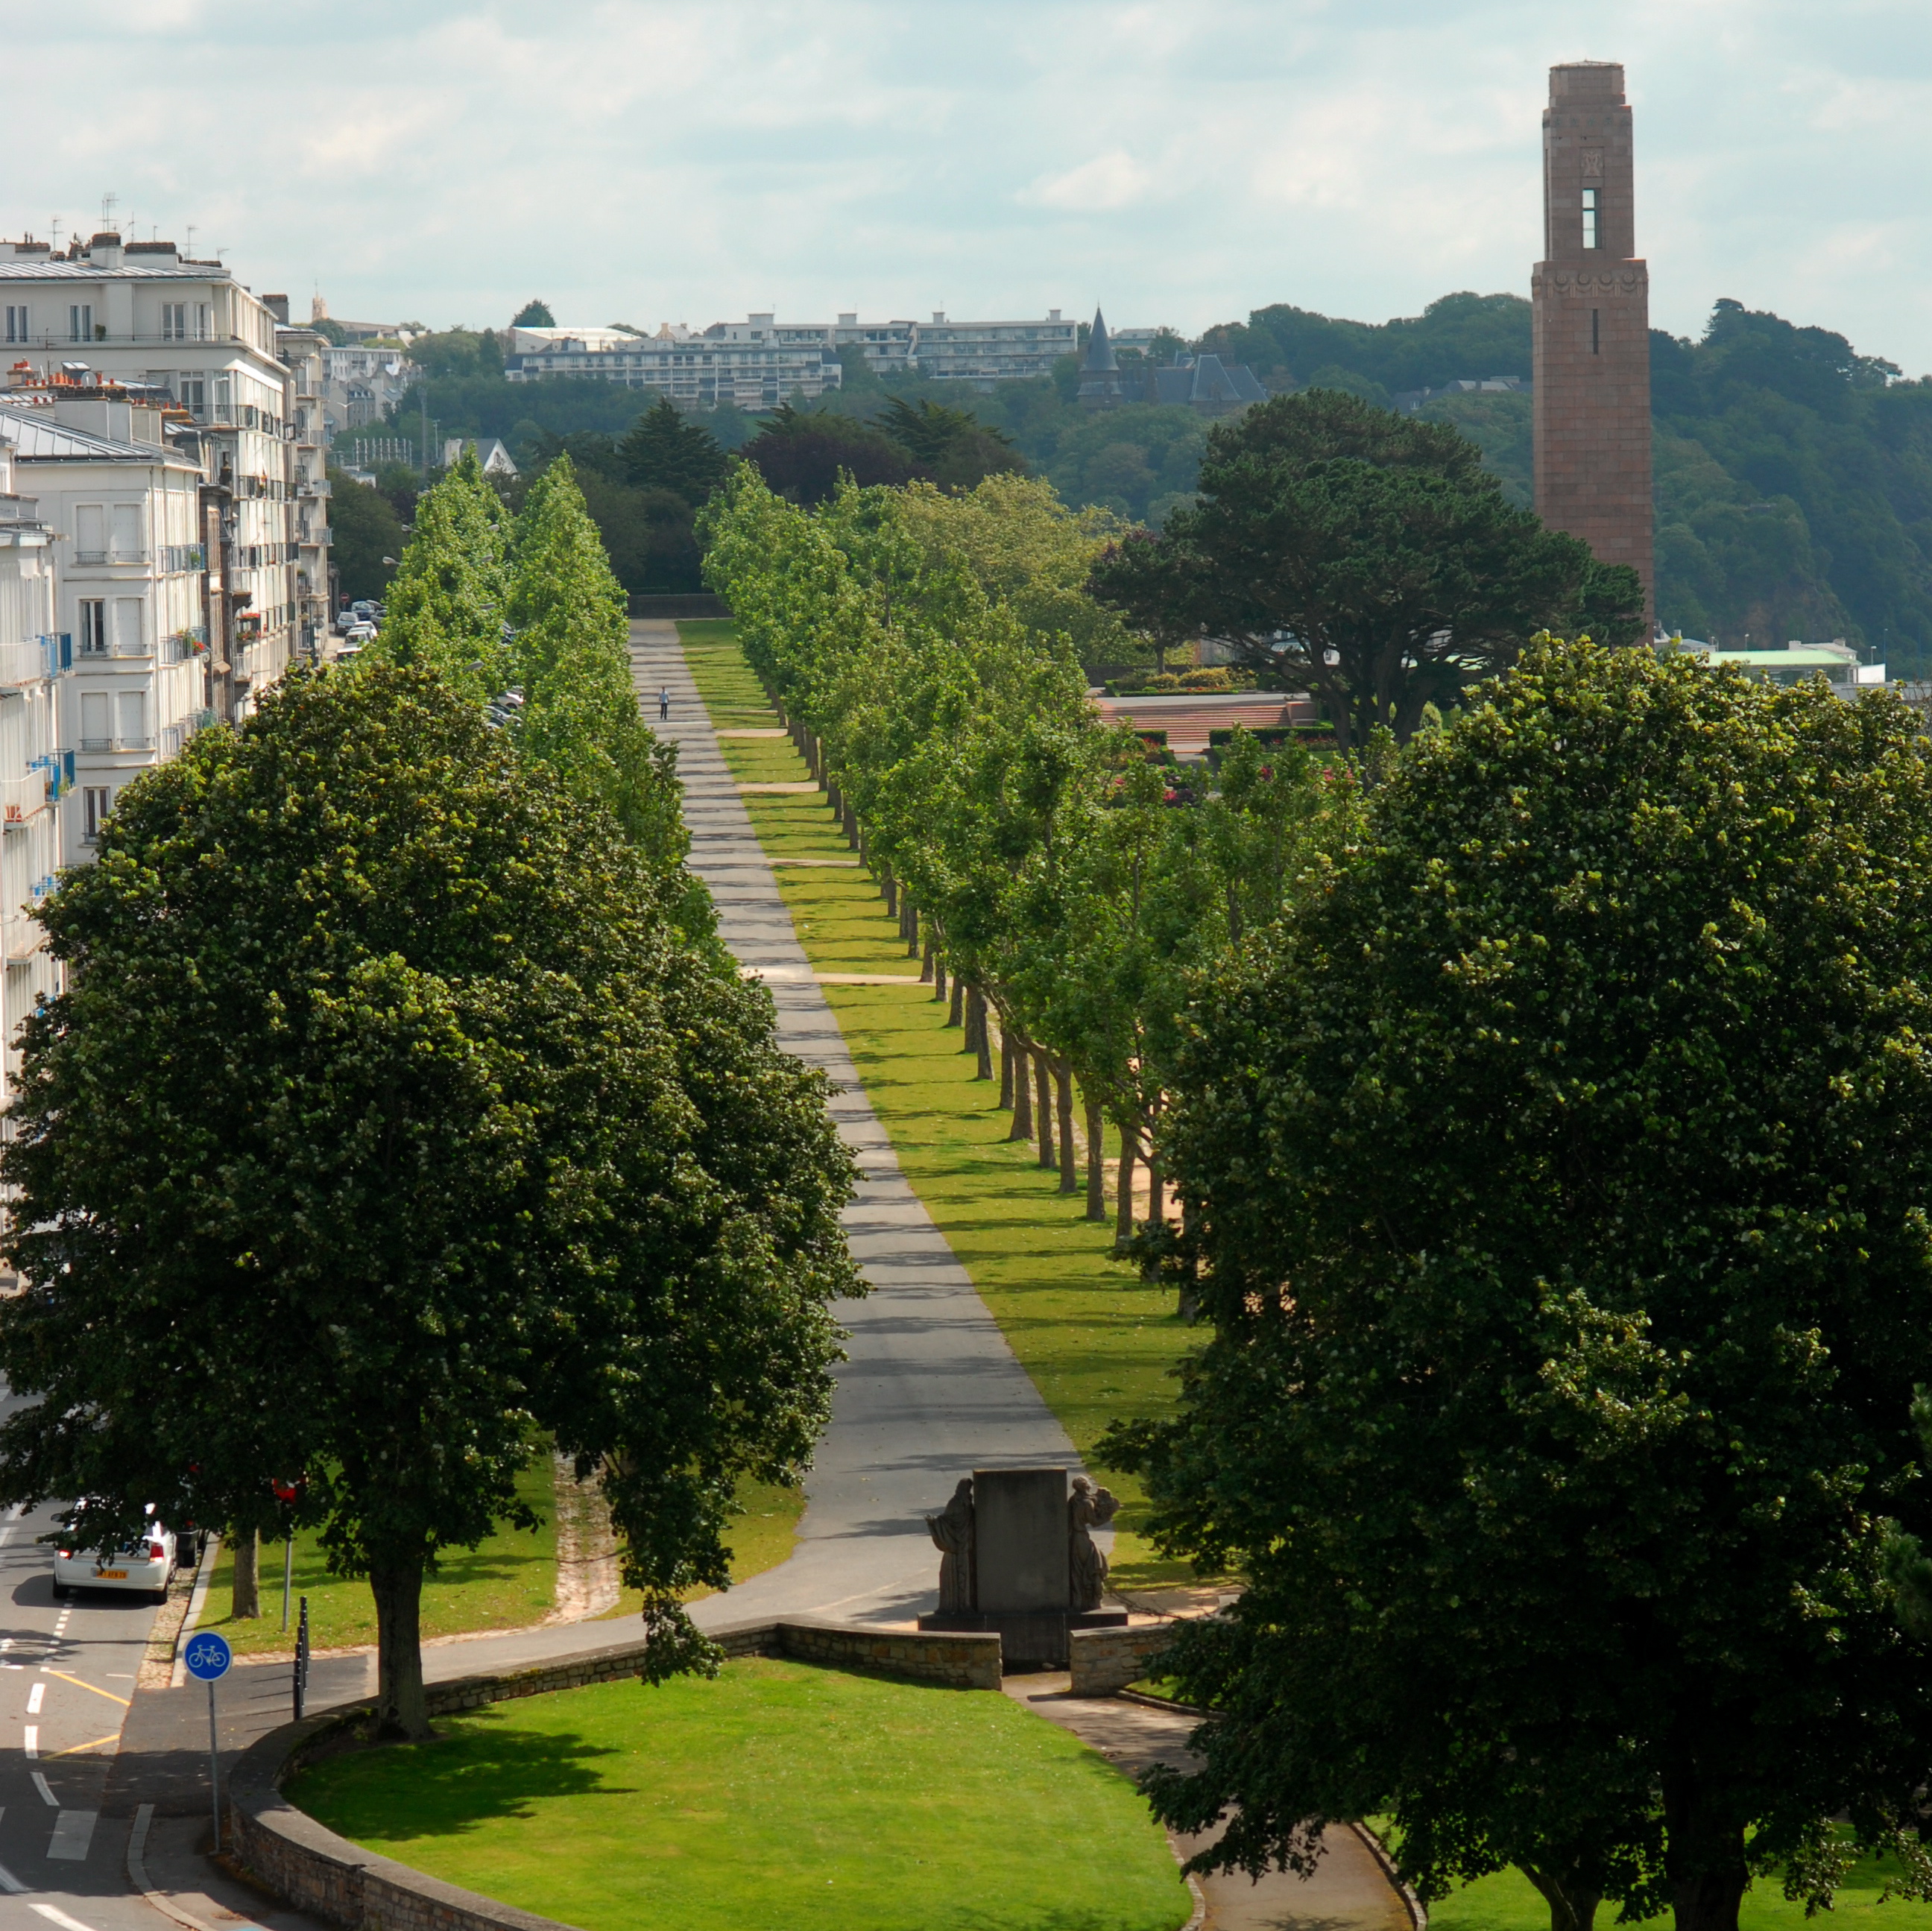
952, 1532
1088, 1508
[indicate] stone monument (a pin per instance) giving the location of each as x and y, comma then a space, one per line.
1017, 1555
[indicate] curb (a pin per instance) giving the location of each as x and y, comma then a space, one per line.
204, 1576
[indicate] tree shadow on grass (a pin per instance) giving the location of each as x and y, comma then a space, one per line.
458, 1783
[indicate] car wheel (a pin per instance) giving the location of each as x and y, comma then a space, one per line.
60, 1590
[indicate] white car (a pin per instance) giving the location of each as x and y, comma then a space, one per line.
148, 1564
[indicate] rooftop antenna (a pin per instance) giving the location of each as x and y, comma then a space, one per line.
109, 202
190, 239
57, 226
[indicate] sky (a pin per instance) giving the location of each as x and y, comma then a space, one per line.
633, 160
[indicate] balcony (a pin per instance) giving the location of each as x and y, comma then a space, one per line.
97, 746
33, 658
99, 559
22, 798
117, 647
21, 937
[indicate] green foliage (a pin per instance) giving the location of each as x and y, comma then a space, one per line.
1366, 556
663, 449
570, 657
1556, 1170
364, 529
448, 606
1456, 336
802, 453
534, 314
388, 1126
458, 353
955, 448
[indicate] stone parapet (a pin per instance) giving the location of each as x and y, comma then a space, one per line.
1103, 1661
316, 1871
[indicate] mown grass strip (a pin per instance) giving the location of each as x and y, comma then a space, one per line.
1098, 1343
779, 1794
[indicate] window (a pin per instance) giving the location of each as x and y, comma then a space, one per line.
201, 329
90, 533
130, 720
194, 394
126, 546
127, 641
96, 801
174, 322
1590, 218
93, 722
16, 323
94, 626
80, 322
1596, 332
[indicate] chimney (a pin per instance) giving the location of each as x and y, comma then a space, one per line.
33, 250
104, 250
278, 305
153, 254
939, 315
849, 321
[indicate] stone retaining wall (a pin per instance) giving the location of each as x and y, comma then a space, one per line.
1104, 1660
316, 1870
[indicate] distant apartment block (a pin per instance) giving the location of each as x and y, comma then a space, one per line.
761, 362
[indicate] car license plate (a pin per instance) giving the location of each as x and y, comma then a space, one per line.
112, 1575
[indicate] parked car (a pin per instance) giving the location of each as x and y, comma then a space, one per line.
148, 1564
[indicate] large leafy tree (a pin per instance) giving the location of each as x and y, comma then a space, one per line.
802, 454
1366, 556
1559, 1168
663, 449
388, 1130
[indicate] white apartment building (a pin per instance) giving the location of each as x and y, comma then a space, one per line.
301, 352
983, 353
34, 773
750, 367
359, 384
124, 506
761, 362
100, 314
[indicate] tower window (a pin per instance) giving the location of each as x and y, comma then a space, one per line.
1590, 219
1596, 335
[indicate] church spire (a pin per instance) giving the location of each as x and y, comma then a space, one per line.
1100, 347
1102, 385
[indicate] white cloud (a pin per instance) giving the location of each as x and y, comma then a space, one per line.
649, 159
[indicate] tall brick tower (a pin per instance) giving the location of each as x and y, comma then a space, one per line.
1591, 298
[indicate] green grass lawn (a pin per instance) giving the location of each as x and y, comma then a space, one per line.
1097, 1342
778, 1794
506, 1583
1509, 1902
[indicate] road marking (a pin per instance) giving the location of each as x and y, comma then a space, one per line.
73, 1831
79, 1684
4, 1534
33, 1696
33, 1740
54, 1912
8, 1881
74, 1749
40, 1784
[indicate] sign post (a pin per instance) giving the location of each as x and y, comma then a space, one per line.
207, 1658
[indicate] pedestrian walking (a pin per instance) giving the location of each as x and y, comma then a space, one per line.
663, 704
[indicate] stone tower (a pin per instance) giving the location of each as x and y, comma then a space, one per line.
1591, 299
1100, 384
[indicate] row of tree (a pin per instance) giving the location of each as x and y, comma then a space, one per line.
401, 1119
926, 649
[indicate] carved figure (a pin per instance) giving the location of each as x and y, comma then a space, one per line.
1088, 1508
952, 1532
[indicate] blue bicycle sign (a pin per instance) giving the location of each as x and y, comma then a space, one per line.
207, 1657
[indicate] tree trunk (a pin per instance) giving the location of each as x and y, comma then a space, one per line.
939, 978
837, 803
1022, 1128
982, 1040
851, 829
1572, 1907
1063, 1081
956, 1011
889, 888
1097, 1163
1042, 1088
1703, 1858
925, 962
401, 1712
247, 1598
1006, 1067
912, 930
1123, 1209
1156, 1209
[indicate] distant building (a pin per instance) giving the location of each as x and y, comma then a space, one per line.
750, 364
984, 353
1203, 383
363, 332
1838, 659
491, 454
1409, 401
360, 385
